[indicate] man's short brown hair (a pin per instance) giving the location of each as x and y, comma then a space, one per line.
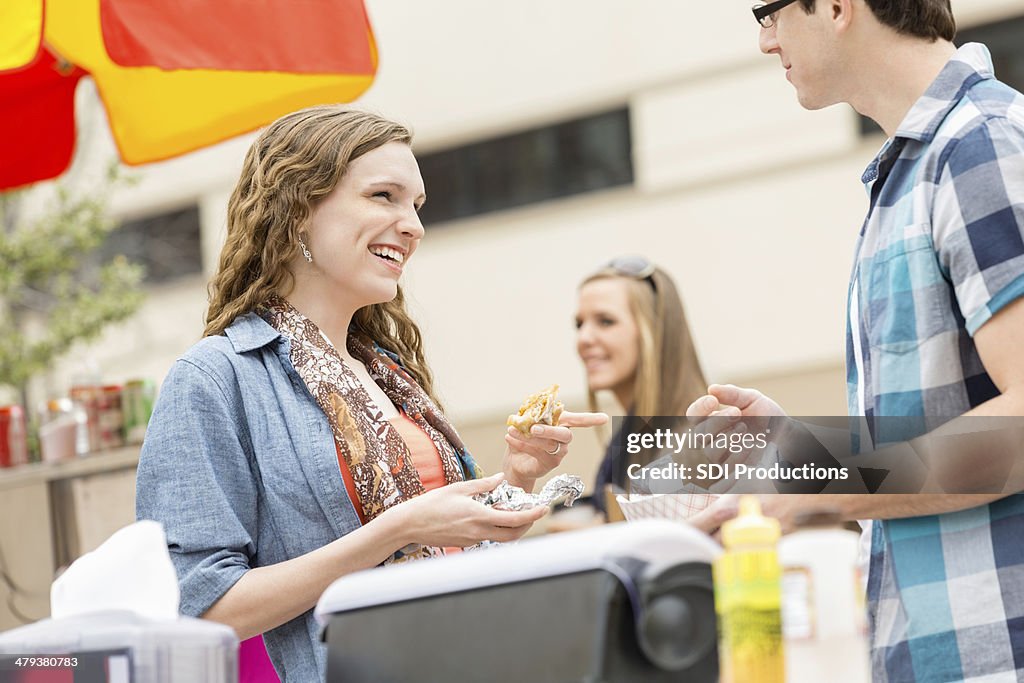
930, 19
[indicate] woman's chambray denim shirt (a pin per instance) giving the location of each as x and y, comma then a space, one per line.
240, 467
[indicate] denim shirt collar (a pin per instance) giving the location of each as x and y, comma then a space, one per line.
970, 64
249, 332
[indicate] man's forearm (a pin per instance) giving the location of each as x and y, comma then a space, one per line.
975, 453
895, 506
786, 507
934, 453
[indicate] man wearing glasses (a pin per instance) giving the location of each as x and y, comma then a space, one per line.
935, 316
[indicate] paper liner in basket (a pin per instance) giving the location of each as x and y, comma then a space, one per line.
674, 506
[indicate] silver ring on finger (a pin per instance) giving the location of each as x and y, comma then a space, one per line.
558, 447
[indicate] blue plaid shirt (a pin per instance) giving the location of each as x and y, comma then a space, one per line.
941, 252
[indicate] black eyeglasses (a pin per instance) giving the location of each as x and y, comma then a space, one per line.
633, 265
765, 13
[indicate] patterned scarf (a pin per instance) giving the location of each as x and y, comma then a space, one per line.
377, 456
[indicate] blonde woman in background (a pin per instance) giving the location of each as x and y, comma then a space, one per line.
301, 439
632, 337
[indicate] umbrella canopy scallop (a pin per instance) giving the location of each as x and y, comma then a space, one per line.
173, 75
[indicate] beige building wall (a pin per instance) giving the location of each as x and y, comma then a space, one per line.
750, 202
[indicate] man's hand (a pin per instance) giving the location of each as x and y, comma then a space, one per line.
730, 400
783, 507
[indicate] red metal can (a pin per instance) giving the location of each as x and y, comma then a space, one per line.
111, 417
13, 436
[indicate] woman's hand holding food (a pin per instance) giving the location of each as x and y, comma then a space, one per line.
449, 517
538, 437
531, 456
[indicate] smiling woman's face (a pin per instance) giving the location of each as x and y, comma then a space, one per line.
607, 337
364, 232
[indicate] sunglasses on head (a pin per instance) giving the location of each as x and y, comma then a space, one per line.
634, 266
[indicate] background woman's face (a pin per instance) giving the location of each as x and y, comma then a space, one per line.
607, 337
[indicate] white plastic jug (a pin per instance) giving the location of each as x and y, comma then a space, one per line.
823, 615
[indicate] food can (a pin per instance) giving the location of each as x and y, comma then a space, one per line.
137, 402
61, 430
57, 407
89, 397
64, 410
13, 436
111, 417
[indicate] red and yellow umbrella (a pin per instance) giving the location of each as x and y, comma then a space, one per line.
174, 75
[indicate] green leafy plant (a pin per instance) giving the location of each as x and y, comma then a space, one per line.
54, 292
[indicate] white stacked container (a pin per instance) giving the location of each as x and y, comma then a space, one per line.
185, 650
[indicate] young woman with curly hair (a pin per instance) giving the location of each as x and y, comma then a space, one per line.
301, 439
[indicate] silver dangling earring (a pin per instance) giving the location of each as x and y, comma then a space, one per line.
305, 252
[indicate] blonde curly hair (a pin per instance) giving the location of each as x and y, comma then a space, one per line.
294, 164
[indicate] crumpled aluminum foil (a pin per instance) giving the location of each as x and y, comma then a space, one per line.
565, 488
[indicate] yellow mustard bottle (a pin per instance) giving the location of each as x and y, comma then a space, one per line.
748, 598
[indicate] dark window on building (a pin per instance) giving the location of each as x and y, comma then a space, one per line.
573, 157
167, 244
1003, 39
